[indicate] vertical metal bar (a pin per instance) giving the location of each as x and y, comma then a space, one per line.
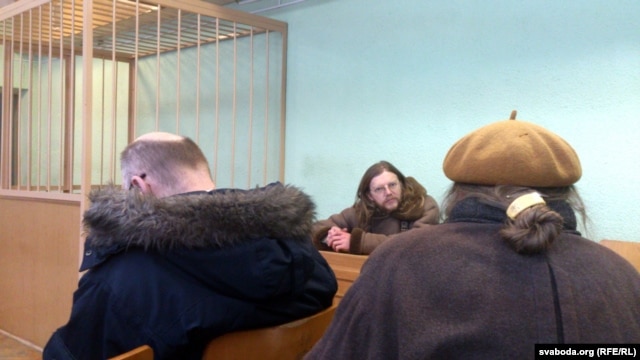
40, 104
283, 101
178, 45
62, 101
70, 104
265, 164
67, 175
103, 96
114, 96
198, 82
217, 115
87, 103
133, 80
5, 142
234, 113
18, 122
9, 103
249, 167
158, 71
131, 121
49, 98
29, 122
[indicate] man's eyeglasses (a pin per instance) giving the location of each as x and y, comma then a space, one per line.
142, 176
382, 189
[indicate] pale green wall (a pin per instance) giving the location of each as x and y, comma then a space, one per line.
402, 80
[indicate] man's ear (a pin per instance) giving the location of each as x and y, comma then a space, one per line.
139, 182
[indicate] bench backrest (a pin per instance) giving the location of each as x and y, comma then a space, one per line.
144, 352
347, 269
290, 341
627, 249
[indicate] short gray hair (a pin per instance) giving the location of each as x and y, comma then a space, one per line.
163, 157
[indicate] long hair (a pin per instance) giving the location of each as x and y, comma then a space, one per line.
413, 194
535, 228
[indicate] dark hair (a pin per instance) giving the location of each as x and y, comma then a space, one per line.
535, 228
413, 194
163, 158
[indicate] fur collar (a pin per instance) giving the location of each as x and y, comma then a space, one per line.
217, 219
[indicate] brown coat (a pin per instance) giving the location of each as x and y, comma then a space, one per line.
458, 291
383, 227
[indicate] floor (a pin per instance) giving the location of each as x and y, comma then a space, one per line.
12, 349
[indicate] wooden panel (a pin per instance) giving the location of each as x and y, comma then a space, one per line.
627, 249
38, 266
284, 342
13, 349
346, 268
144, 352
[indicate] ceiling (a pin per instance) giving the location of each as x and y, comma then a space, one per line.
130, 36
217, 2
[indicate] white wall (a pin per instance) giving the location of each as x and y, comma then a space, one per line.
403, 80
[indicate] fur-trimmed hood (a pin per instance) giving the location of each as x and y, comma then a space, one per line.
122, 218
178, 271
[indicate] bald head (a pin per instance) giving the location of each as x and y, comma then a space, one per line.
165, 164
159, 136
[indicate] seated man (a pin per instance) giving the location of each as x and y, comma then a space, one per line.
173, 263
387, 203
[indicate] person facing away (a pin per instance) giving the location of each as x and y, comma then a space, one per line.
387, 203
172, 263
505, 271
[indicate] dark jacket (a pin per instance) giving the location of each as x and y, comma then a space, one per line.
458, 291
176, 272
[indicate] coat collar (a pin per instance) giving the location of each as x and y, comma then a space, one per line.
474, 210
118, 219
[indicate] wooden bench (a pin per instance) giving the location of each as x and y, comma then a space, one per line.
347, 269
627, 249
144, 352
290, 341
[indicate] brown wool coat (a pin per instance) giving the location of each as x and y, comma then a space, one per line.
457, 291
383, 227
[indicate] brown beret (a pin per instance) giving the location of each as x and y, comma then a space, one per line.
513, 152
